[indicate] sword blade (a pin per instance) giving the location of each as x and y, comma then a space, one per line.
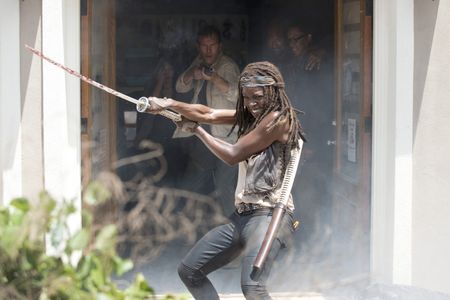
82, 77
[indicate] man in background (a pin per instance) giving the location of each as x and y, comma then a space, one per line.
213, 79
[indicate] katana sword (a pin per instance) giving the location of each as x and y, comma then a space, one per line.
144, 104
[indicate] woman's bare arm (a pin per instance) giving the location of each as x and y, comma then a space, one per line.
199, 113
255, 141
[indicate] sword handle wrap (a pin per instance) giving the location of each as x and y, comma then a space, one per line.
144, 105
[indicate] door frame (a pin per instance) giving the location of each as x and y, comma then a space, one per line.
352, 161
109, 79
392, 125
393, 85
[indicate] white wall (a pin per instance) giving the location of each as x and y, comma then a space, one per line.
392, 142
31, 96
411, 144
10, 104
40, 126
431, 206
61, 102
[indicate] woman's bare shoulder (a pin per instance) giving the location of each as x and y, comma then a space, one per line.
279, 126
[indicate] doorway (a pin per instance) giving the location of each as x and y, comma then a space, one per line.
332, 189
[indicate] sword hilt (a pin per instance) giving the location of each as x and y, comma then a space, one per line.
144, 105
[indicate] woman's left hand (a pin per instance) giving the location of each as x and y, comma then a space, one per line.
187, 125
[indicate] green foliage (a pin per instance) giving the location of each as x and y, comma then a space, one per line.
28, 272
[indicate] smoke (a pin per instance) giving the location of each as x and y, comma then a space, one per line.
149, 217
167, 193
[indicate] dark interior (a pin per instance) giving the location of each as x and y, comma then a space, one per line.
149, 33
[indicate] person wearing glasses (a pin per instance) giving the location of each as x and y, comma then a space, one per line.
300, 42
275, 48
312, 91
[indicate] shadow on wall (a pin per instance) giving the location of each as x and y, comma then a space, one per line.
425, 18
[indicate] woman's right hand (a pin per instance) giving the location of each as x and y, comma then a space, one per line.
157, 104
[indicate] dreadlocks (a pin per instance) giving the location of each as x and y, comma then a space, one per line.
278, 101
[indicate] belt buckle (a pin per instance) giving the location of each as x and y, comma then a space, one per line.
246, 208
241, 208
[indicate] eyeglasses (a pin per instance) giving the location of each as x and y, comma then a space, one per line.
296, 39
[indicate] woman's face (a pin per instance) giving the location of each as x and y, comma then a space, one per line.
255, 100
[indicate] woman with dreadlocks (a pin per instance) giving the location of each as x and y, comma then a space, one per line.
268, 129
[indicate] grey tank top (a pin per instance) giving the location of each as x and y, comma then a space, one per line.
260, 177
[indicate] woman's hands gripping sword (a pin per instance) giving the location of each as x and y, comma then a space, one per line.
154, 105
159, 106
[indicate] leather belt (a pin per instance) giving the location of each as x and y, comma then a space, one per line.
248, 208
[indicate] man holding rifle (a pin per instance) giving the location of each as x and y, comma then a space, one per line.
267, 150
213, 79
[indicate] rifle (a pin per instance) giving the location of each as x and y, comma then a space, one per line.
278, 212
